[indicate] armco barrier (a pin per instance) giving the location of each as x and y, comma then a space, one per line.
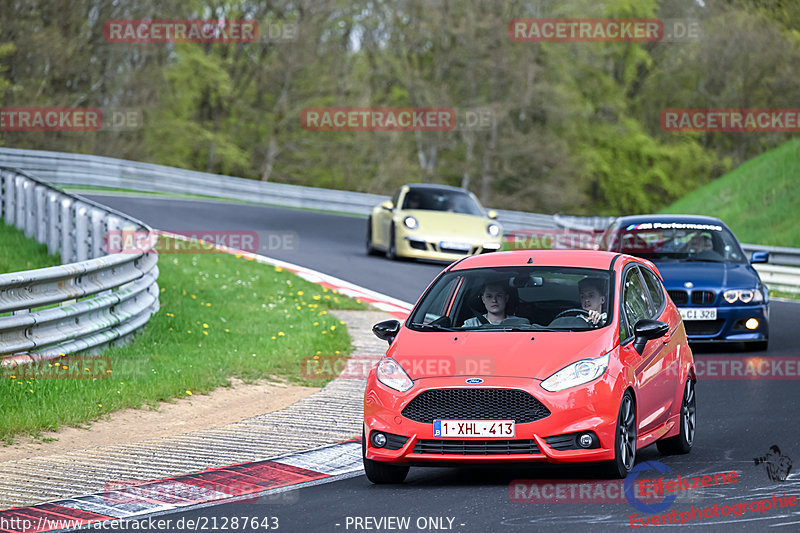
100, 299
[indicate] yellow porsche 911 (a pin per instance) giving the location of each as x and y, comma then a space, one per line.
436, 222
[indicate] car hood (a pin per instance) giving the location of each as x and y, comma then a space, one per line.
448, 224
529, 354
707, 275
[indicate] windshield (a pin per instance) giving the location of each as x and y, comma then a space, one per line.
679, 242
516, 299
442, 200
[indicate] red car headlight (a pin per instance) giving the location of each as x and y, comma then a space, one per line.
577, 373
391, 374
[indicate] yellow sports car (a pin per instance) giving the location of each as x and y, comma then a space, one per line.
432, 222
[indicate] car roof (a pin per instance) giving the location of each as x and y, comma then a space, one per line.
434, 186
566, 258
698, 219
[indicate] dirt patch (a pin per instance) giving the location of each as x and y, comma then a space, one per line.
223, 406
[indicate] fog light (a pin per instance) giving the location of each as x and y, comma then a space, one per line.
378, 439
585, 440
751, 323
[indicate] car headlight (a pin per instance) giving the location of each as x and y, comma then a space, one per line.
577, 373
391, 374
493, 229
744, 295
411, 222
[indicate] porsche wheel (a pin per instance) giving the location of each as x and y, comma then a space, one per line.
683, 441
381, 473
370, 249
625, 439
391, 250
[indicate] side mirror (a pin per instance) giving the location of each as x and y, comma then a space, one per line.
759, 256
492, 214
386, 330
647, 330
388, 205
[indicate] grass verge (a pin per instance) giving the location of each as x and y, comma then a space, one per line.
758, 200
221, 316
17, 252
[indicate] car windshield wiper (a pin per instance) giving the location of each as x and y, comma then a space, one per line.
501, 327
431, 327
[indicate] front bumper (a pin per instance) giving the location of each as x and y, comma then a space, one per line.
592, 408
431, 247
729, 325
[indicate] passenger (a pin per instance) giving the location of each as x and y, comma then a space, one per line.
494, 296
593, 299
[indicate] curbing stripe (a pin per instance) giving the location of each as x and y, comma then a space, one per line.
244, 483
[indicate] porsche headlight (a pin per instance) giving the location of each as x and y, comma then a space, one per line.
744, 295
391, 374
411, 222
493, 229
577, 373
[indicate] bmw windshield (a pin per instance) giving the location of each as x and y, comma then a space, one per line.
677, 241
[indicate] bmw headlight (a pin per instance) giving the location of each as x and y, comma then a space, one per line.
744, 295
391, 374
493, 229
411, 222
577, 373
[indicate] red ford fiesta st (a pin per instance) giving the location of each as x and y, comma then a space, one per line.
557, 356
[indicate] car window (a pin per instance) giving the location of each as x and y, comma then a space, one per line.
679, 241
636, 302
453, 201
555, 298
655, 289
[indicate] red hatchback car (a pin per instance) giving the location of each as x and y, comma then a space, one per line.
556, 356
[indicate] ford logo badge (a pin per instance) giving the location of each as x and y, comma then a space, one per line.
474, 381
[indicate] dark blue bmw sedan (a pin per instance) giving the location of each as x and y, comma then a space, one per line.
719, 294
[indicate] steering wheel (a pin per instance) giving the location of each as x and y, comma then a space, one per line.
574, 311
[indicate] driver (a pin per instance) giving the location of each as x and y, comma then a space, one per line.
494, 296
593, 299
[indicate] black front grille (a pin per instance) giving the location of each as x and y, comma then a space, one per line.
418, 245
703, 327
475, 404
679, 297
703, 297
476, 447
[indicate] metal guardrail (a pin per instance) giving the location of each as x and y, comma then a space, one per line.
94, 299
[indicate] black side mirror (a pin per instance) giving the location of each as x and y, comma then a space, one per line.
386, 330
759, 256
646, 330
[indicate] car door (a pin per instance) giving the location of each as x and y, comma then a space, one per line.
649, 367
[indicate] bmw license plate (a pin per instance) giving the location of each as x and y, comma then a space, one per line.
473, 428
701, 313
463, 246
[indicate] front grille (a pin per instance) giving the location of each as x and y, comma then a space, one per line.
703, 327
703, 297
476, 447
418, 245
679, 297
475, 404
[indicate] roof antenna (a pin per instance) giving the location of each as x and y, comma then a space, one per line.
530, 260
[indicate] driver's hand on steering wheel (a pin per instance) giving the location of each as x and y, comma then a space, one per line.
595, 316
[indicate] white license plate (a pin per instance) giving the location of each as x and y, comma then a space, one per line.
473, 428
455, 245
703, 313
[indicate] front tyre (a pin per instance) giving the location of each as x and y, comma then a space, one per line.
625, 438
683, 441
391, 250
381, 473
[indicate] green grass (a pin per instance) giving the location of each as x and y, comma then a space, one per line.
221, 317
17, 252
758, 200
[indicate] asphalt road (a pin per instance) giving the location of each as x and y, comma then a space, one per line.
737, 420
